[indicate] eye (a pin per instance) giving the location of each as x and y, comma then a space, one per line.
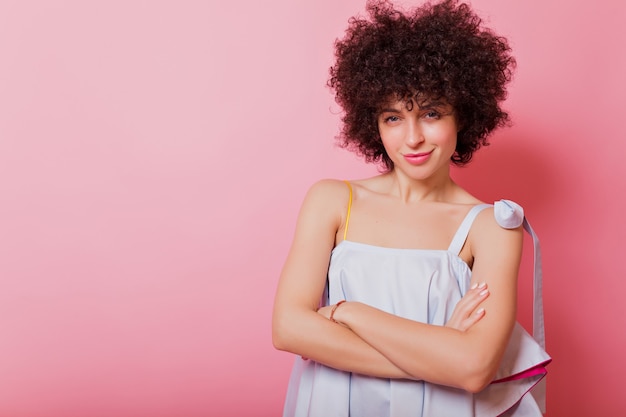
392, 119
432, 114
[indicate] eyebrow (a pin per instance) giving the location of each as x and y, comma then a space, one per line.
427, 105
390, 110
431, 104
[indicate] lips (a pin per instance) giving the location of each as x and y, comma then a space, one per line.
417, 158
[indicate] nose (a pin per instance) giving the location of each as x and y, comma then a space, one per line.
414, 134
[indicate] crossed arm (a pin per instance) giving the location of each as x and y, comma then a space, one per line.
369, 341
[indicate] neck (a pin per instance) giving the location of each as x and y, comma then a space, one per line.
409, 190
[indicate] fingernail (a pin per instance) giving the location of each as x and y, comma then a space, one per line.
483, 292
482, 285
474, 286
480, 311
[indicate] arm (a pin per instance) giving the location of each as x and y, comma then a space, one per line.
443, 355
296, 325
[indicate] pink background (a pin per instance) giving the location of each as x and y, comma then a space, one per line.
153, 156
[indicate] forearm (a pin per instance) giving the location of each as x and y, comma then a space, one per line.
433, 353
312, 336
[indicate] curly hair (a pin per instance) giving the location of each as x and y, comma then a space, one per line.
439, 50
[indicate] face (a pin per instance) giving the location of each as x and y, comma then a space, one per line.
420, 140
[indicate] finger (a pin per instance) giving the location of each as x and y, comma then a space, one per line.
462, 317
324, 311
472, 300
479, 294
472, 319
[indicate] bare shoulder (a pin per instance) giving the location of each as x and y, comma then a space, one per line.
328, 192
325, 202
462, 196
376, 185
486, 233
333, 190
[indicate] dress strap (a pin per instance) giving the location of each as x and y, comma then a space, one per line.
345, 229
510, 215
461, 234
539, 392
538, 327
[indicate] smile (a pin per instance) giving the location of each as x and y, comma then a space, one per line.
417, 158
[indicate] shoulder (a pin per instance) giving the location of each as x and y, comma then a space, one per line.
328, 191
322, 212
506, 214
371, 186
326, 198
333, 190
500, 224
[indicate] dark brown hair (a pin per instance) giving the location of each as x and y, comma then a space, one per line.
436, 51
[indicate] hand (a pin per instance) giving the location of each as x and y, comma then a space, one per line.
326, 311
465, 313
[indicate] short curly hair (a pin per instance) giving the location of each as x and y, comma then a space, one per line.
436, 51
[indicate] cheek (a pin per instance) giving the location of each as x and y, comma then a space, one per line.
446, 142
450, 141
444, 136
389, 137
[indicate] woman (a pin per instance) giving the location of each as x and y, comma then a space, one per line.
416, 278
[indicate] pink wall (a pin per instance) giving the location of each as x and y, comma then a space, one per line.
153, 156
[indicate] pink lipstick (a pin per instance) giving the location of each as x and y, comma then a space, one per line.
417, 158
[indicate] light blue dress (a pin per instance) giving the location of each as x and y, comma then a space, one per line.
421, 285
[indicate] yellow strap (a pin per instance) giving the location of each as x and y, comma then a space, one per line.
345, 230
